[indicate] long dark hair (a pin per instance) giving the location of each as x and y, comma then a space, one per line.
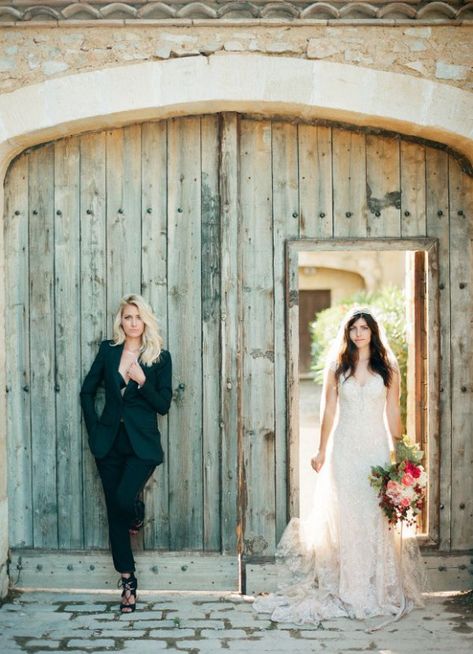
347, 356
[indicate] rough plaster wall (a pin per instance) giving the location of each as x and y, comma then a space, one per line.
31, 54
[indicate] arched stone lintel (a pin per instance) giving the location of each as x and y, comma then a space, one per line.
283, 86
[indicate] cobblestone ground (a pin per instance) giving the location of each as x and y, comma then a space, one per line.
47, 623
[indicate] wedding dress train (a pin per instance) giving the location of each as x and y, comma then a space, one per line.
344, 561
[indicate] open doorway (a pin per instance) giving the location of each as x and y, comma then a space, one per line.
398, 279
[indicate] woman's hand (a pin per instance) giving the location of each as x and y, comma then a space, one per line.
136, 373
318, 461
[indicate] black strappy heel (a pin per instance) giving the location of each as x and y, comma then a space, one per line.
129, 585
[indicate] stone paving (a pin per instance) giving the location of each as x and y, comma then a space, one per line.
59, 623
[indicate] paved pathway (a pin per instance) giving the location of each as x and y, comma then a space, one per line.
47, 623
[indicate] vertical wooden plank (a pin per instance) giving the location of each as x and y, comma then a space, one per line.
315, 181
383, 188
154, 289
43, 417
230, 385
184, 281
413, 194
258, 339
18, 359
285, 189
432, 394
438, 227
349, 184
123, 215
210, 331
420, 284
93, 313
292, 321
461, 288
67, 310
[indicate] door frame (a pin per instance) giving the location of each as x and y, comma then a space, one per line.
430, 247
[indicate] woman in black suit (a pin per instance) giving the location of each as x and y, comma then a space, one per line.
125, 439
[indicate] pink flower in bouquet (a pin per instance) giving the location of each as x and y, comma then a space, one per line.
407, 479
405, 502
394, 491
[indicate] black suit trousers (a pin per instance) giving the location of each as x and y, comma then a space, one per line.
123, 476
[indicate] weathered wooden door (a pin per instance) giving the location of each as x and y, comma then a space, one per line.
90, 219
196, 212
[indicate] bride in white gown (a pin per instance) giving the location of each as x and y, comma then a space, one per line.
344, 560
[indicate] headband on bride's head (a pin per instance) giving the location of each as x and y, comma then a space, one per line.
355, 311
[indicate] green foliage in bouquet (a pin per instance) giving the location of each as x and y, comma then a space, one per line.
407, 451
389, 305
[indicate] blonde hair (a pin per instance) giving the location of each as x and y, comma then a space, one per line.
151, 340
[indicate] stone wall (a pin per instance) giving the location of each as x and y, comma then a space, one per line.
30, 54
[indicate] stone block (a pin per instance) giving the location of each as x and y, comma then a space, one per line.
85, 608
279, 47
317, 49
450, 71
172, 633
91, 644
179, 39
44, 644
163, 52
234, 46
54, 67
419, 32
417, 45
353, 56
145, 647
7, 65
417, 66
202, 624
223, 634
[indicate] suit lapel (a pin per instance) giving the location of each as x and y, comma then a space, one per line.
115, 356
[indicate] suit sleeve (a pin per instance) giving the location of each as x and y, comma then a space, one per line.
159, 395
89, 388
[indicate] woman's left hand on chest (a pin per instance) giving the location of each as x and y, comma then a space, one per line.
136, 373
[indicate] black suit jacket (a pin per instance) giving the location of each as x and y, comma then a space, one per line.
138, 406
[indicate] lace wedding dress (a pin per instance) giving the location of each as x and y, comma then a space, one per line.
344, 561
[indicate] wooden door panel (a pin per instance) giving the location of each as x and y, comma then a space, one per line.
42, 347
93, 312
18, 405
154, 285
184, 306
95, 223
67, 340
258, 336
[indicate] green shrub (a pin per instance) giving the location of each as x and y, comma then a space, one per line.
389, 306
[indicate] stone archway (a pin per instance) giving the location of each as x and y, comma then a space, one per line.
283, 86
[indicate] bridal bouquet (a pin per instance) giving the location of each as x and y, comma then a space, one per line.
401, 486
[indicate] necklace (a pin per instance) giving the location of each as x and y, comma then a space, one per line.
132, 351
